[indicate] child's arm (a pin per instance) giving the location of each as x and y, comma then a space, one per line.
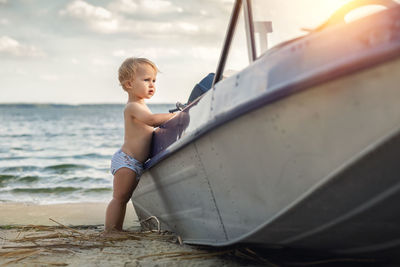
141, 113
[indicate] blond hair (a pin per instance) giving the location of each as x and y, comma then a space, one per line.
128, 68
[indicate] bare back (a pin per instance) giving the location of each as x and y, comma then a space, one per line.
137, 138
139, 120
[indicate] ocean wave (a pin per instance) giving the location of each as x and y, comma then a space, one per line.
9, 179
17, 180
92, 156
12, 158
80, 156
104, 170
19, 169
5, 178
108, 145
16, 135
98, 190
62, 168
59, 189
28, 179
85, 179
51, 157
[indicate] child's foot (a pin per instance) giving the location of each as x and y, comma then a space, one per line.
113, 233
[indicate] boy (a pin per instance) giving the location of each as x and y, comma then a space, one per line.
137, 77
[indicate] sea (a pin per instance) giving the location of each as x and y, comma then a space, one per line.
51, 153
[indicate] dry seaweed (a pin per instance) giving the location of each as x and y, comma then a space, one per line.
59, 245
186, 255
66, 227
22, 258
45, 240
50, 263
8, 254
62, 238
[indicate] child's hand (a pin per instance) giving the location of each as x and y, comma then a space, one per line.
143, 114
173, 114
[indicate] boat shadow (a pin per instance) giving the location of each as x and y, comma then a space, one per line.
250, 255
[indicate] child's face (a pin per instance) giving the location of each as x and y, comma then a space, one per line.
143, 84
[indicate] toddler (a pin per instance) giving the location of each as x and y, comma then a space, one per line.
137, 77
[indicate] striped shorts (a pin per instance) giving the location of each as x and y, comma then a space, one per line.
122, 160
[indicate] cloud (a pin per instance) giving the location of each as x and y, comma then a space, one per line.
22, 72
98, 18
150, 52
154, 19
4, 21
124, 6
158, 7
156, 4
188, 27
119, 53
117, 17
10, 46
99, 62
49, 77
159, 29
3, 2
144, 7
75, 61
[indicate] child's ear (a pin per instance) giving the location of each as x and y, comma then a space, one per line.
128, 84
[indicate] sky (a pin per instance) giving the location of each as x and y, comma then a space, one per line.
69, 51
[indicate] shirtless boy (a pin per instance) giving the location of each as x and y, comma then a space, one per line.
137, 77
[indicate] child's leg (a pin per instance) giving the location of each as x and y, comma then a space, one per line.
123, 186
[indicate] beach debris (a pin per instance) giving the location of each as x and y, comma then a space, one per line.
34, 243
143, 223
43, 240
49, 263
66, 227
16, 253
249, 254
183, 255
27, 255
180, 240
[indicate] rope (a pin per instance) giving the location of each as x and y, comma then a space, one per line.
155, 218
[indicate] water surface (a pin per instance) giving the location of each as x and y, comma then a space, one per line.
59, 153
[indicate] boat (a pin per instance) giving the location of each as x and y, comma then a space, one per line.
297, 149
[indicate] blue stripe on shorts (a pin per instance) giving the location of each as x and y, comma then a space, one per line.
122, 160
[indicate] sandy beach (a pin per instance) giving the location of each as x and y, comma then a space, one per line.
71, 235
68, 214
